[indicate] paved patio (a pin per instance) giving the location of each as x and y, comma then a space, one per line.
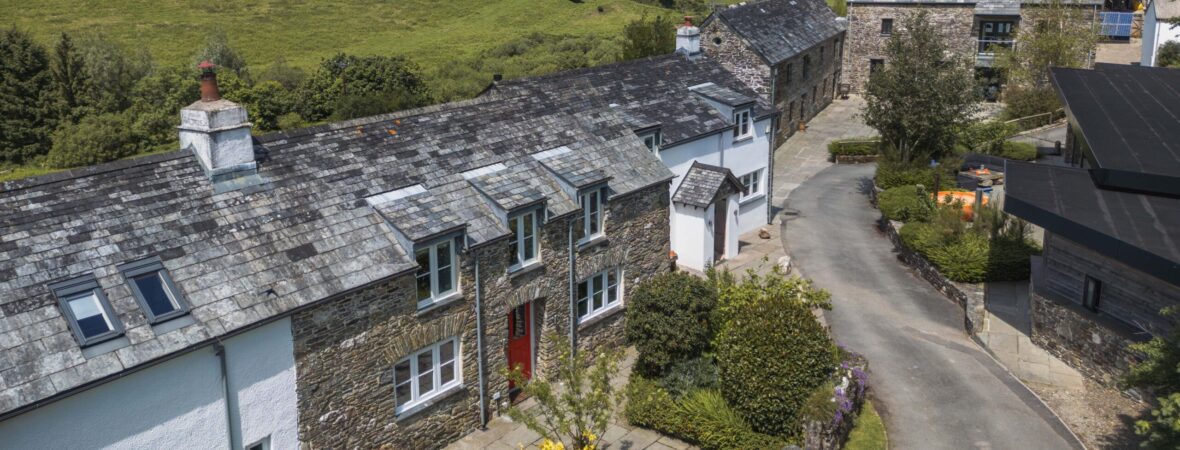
806, 153
1006, 336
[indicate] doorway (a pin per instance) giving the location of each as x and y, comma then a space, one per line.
719, 216
520, 342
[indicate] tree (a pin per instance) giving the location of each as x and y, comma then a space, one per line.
218, 50
645, 37
1169, 55
922, 97
668, 320
1056, 35
69, 78
111, 72
575, 402
96, 138
25, 97
158, 100
1159, 372
392, 80
289, 76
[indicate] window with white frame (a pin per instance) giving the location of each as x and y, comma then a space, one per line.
652, 141
742, 127
522, 240
87, 310
426, 374
437, 277
598, 294
592, 214
753, 183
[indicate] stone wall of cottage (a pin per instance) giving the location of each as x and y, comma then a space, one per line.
345, 348
1097, 347
720, 42
800, 98
955, 23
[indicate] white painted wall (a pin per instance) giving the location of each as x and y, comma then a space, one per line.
694, 242
177, 404
1155, 34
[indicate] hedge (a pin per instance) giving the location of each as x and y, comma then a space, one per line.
892, 174
668, 320
1020, 151
970, 257
860, 146
906, 203
702, 418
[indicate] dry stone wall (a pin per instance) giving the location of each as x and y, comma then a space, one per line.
954, 22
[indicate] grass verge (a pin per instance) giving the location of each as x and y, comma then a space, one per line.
869, 432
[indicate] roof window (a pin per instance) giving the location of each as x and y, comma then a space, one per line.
153, 288
87, 310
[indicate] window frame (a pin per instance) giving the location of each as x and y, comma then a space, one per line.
516, 240
136, 269
1091, 303
743, 124
437, 388
608, 306
806, 73
261, 444
754, 187
65, 290
599, 215
887, 26
657, 139
437, 296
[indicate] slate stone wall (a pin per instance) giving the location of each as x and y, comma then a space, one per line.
955, 23
345, 348
969, 296
720, 42
1098, 349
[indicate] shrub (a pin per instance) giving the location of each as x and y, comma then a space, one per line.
95, 139
986, 137
855, 146
1008, 259
906, 203
669, 319
920, 236
893, 174
685, 376
964, 259
970, 256
771, 352
1020, 151
702, 418
1169, 55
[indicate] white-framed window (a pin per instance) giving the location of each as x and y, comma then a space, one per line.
437, 275
652, 141
753, 183
87, 310
523, 248
742, 126
599, 293
261, 444
592, 214
427, 373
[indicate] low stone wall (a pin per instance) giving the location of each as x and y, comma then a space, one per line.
1101, 351
856, 159
852, 387
969, 296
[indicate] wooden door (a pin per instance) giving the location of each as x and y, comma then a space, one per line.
719, 216
520, 339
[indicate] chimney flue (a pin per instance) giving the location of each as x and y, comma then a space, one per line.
688, 39
209, 91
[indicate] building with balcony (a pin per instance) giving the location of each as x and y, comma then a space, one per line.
971, 29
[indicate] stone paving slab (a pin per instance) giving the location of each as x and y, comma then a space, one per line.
1006, 337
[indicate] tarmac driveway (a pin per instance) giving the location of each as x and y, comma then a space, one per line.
936, 389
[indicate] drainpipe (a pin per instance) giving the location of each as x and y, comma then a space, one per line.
773, 146
219, 349
483, 409
573, 293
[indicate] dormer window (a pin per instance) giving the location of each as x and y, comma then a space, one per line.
522, 240
153, 289
87, 310
652, 141
591, 203
437, 277
741, 121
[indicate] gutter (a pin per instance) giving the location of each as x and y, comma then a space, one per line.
483, 409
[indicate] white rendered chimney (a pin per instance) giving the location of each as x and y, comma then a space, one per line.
688, 38
216, 130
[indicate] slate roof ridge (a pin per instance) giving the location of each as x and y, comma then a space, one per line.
92, 170
367, 120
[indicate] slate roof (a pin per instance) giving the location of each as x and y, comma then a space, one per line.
1130, 118
702, 183
647, 92
722, 94
307, 232
780, 29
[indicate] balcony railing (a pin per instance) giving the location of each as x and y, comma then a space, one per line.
987, 46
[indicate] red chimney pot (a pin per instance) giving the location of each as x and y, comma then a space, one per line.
209, 91
688, 21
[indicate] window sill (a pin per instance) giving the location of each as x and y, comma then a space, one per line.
751, 199
107, 346
599, 317
439, 303
426, 403
594, 241
741, 139
527, 268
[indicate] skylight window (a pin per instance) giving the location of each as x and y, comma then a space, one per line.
86, 309
153, 289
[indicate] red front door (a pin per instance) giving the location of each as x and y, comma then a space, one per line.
520, 339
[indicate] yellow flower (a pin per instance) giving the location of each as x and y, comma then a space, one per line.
550, 445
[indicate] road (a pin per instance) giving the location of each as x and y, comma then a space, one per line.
936, 388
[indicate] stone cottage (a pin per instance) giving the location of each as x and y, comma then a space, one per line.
1111, 218
355, 284
788, 51
971, 29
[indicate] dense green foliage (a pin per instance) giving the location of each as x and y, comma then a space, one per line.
25, 106
906, 203
347, 86
95, 139
994, 249
1020, 151
701, 417
891, 174
1168, 55
986, 136
668, 320
922, 97
772, 352
1061, 35
684, 376
1160, 372
857, 146
648, 37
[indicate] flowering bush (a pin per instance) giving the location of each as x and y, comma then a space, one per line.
831, 410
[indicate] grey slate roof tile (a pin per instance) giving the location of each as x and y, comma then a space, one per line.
780, 29
702, 183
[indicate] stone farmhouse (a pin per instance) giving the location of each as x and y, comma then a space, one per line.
970, 28
788, 51
712, 131
348, 285
1112, 218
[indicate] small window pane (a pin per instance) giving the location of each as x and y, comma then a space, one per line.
612, 287
155, 294
91, 318
424, 286
597, 292
444, 280
446, 373
582, 304
582, 289
530, 249
403, 393
425, 382
401, 372
446, 352
444, 254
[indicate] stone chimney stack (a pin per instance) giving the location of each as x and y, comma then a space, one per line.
217, 131
688, 39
